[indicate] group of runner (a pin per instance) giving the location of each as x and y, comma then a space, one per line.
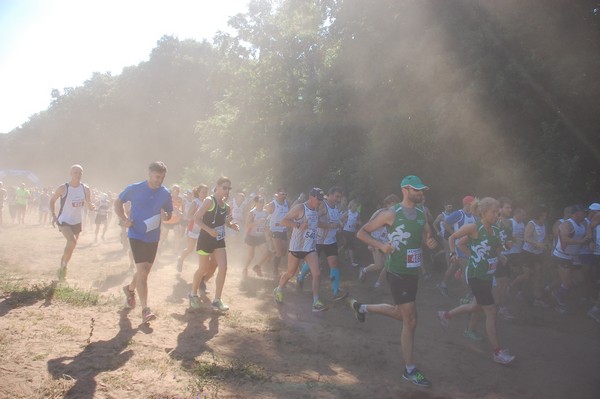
484, 243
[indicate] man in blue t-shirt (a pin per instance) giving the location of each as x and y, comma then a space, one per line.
150, 204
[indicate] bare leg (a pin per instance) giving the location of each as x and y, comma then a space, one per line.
140, 282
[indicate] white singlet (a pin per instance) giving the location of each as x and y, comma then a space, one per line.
573, 249
539, 235
328, 236
71, 205
279, 211
305, 240
352, 221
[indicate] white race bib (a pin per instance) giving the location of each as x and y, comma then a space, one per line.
152, 223
413, 257
493, 263
220, 232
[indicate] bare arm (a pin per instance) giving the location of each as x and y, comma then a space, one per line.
208, 202
428, 237
462, 234
59, 192
384, 218
565, 231
120, 212
296, 212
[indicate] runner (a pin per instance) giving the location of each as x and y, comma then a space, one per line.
380, 235
594, 232
303, 218
255, 237
3, 197
455, 221
439, 225
482, 242
407, 232
44, 206
192, 229
351, 222
278, 208
23, 195
102, 210
73, 197
212, 217
150, 204
571, 235
534, 247
501, 277
329, 222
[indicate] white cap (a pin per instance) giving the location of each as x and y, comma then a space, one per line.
594, 207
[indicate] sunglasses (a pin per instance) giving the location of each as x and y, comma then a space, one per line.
226, 187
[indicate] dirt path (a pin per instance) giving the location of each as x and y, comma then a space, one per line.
257, 350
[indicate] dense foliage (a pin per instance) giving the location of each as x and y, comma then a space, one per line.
491, 98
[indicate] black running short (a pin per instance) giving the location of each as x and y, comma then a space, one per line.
75, 228
329, 249
300, 254
482, 290
143, 252
255, 241
530, 259
403, 287
564, 263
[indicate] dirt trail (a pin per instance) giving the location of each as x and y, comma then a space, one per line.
257, 350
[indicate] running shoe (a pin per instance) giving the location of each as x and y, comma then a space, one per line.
362, 275
129, 297
179, 264
355, 305
278, 295
340, 295
219, 305
594, 314
442, 288
417, 378
503, 357
194, 301
505, 313
473, 335
62, 273
147, 315
318, 307
444, 321
257, 270
540, 303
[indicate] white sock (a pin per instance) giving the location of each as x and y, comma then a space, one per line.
410, 368
363, 309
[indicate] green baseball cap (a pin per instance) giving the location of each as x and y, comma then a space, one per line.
414, 182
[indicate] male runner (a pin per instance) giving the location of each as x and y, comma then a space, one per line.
407, 231
150, 204
73, 196
303, 218
278, 208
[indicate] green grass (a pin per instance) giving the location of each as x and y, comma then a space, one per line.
238, 369
21, 293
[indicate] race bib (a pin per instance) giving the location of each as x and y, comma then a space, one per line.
310, 234
152, 223
493, 262
413, 257
220, 232
77, 203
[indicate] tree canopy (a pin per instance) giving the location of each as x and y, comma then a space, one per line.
486, 98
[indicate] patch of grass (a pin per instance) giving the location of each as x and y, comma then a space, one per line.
62, 329
54, 388
238, 369
20, 293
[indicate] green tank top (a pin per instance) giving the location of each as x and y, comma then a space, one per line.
406, 236
484, 253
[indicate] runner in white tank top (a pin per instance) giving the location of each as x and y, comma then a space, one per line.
73, 195
278, 208
303, 219
571, 235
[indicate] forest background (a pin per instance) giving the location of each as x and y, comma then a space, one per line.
488, 98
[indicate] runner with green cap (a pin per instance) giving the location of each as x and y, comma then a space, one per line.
407, 231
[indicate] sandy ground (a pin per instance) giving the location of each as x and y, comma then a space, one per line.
258, 349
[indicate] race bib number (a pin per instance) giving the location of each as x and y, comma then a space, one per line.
413, 257
152, 223
220, 232
77, 203
310, 234
493, 262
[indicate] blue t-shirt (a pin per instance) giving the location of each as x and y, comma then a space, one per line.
146, 204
